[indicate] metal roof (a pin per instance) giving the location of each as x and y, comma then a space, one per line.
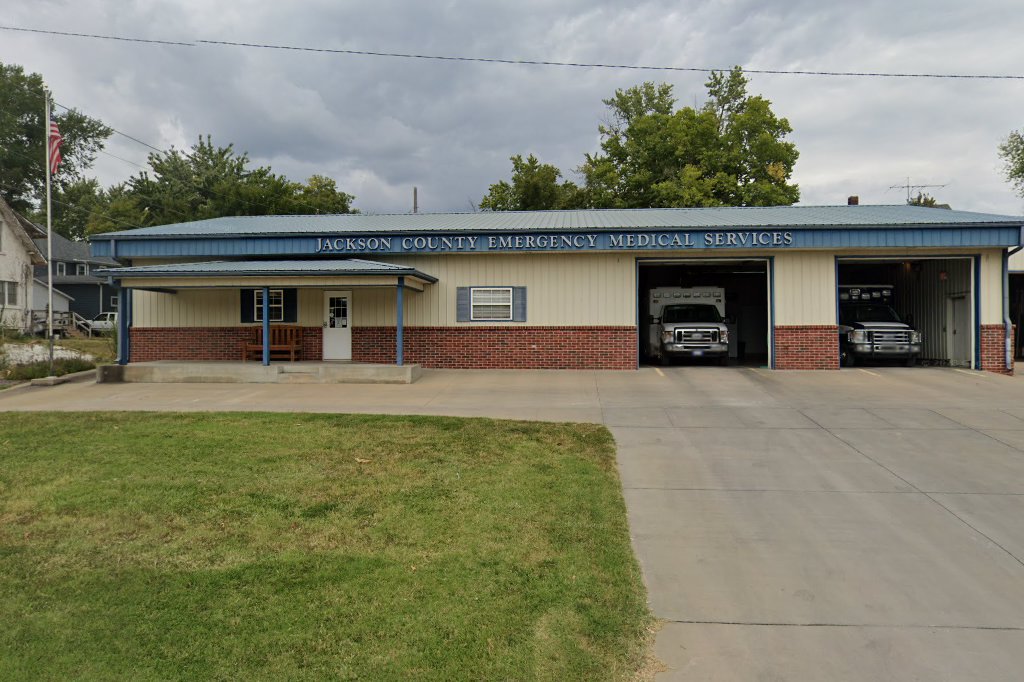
349, 266
70, 251
604, 219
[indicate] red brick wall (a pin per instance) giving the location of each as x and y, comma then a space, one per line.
206, 343
993, 349
511, 347
312, 343
807, 347
450, 347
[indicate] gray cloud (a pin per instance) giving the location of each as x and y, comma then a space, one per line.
381, 125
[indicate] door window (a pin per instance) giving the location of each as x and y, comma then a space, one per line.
337, 307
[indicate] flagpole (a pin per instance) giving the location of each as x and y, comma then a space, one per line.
49, 238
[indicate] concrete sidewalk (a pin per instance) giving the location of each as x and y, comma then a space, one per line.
866, 524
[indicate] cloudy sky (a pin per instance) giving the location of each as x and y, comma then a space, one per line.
382, 125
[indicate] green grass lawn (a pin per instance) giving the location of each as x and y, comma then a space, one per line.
277, 546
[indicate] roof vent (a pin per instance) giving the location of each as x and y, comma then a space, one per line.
853, 200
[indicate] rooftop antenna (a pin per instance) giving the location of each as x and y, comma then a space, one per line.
907, 186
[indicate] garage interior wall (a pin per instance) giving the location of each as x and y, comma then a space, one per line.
922, 296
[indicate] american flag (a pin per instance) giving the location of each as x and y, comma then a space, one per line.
55, 140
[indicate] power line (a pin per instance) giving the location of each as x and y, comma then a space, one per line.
94, 35
537, 62
119, 158
523, 62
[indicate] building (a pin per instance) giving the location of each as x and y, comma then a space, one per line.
74, 274
558, 289
18, 256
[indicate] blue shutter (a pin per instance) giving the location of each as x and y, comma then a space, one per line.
519, 304
291, 305
248, 299
462, 305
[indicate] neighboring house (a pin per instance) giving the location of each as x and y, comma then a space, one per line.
18, 255
61, 301
73, 274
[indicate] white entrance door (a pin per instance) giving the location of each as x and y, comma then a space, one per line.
958, 335
337, 325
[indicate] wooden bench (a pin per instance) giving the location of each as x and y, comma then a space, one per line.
285, 343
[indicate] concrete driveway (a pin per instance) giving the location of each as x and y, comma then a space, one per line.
866, 524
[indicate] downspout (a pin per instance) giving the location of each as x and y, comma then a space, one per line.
1007, 324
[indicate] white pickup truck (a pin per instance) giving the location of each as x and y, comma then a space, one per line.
104, 322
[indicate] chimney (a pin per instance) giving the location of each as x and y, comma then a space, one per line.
853, 200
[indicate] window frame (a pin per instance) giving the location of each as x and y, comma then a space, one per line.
113, 302
473, 317
61, 270
257, 300
10, 291
81, 269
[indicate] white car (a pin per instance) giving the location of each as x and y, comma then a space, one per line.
104, 322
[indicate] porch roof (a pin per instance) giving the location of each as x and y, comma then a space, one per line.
269, 268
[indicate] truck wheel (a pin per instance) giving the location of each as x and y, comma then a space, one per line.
910, 362
663, 360
847, 359
724, 362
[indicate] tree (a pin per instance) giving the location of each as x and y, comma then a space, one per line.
923, 199
23, 135
74, 205
730, 152
1011, 151
534, 187
209, 181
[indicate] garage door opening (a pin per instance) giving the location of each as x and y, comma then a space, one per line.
1017, 311
907, 311
703, 312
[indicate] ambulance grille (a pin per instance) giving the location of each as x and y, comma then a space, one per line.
696, 336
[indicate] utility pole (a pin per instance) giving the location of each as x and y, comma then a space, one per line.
907, 186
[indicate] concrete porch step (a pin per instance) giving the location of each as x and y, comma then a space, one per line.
256, 373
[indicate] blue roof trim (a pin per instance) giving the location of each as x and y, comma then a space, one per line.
554, 242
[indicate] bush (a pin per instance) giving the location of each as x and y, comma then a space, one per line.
38, 370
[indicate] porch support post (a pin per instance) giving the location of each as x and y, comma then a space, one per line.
400, 322
124, 321
130, 314
266, 326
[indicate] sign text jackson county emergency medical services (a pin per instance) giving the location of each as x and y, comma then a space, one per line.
597, 241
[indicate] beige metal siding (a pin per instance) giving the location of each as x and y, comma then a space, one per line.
992, 287
187, 308
570, 289
805, 288
1017, 262
210, 308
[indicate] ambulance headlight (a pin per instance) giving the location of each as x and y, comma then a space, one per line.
857, 336
915, 337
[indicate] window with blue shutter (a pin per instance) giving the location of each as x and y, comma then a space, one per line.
284, 305
490, 304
